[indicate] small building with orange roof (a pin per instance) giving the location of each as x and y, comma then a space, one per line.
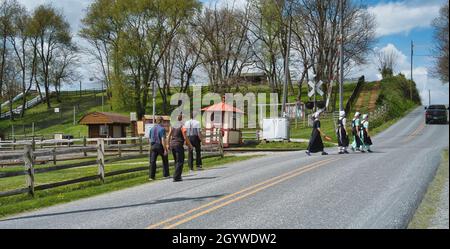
227, 124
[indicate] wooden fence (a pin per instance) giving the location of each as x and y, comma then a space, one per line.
30, 154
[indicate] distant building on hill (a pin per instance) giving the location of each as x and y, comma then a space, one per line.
256, 78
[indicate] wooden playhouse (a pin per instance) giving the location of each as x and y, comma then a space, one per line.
227, 125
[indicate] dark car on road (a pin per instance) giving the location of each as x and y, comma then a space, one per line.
436, 114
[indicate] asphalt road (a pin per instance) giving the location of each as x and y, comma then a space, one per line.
280, 190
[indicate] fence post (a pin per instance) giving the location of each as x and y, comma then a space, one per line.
101, 159
140, 144
119, 149
42, 144
220, 142
14, 143
54, 155
33, 144
84, 145
29, 168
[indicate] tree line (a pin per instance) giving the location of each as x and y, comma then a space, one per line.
36, 49
136, 45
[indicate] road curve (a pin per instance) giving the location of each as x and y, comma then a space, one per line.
280, 190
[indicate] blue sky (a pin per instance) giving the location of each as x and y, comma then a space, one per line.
398, 22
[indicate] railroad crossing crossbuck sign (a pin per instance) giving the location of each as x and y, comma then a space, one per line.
316, 88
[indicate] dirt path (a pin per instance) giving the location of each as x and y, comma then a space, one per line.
374, 93
361, 98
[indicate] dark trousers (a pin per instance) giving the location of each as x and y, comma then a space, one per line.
158, 150
197, 145
178, 156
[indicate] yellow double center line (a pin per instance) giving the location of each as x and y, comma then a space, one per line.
209, 207
414, 134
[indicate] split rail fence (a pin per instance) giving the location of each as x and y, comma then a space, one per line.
29, 153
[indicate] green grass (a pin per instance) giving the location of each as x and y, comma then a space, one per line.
20, 203
47, 122
428, 207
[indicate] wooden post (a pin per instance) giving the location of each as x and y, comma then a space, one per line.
42, 144
101, 159
14, 143
29, 168
54, 155
140, 145
220, 142
119, 149
84, 145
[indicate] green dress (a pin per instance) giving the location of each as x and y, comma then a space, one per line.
356, 141
365, 139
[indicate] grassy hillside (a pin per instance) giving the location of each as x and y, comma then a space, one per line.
47, 122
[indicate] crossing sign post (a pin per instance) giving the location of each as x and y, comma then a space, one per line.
316, 88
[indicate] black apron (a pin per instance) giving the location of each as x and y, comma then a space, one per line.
315, 142
342, 134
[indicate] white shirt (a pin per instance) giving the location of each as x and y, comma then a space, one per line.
192, 127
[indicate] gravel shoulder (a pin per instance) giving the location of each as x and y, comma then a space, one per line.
433, 212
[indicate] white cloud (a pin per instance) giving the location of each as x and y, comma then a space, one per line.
402, 17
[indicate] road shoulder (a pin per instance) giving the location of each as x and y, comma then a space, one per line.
433, 212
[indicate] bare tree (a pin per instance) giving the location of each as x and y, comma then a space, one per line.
24, 54
266, 29
317, 34
11, 83
101, 31
387, 62
7, 11
63, 68
441, 49
188, 57
227, 49
51, 33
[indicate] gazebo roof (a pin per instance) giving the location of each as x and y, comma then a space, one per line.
222, 107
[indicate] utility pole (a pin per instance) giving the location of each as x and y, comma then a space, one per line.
429, 97
412, 60
286, 61
154, 101
103, 94
341, 59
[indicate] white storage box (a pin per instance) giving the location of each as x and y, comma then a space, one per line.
275, 129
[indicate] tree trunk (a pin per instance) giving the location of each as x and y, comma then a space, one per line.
11, 117
57, 93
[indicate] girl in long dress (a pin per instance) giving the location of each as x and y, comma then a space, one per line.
341, 133
315, 142
365, 137
356, 130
